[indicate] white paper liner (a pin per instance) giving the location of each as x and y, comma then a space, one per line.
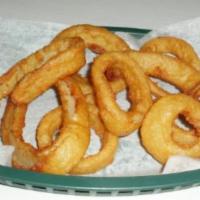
20, 38
180, 163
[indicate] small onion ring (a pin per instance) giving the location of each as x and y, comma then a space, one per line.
156, 130
51, 122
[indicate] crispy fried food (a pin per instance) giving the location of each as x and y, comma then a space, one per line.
175, 46
63, 134
165, 68
156, 131
97, 39
12, 113
45, 129
10, 79
94, 117
65, 63
72, 141
51, 123
117, 84
116, 120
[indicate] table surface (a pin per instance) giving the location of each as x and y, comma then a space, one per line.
127, 13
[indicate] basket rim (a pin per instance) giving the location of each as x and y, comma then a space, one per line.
151, 182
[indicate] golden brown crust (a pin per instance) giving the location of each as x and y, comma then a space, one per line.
73, 138
156, 131
51, 122
117, 121
175, 46
34, 61
97, 39
65, 63
168, 69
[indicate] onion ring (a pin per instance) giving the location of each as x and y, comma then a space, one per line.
10, 79
117, 121
175, 46
97, 39
166, 68
95, 121
157, 127
51, 122
65, 63
73, 138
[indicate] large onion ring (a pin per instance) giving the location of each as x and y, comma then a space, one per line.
9, 80
156, 131
65, 63
116, 120
73, 138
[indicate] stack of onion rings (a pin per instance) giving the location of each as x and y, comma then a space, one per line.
41, 70
63, 134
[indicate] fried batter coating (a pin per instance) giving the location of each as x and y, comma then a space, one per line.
116, 120
157, 127
174, 46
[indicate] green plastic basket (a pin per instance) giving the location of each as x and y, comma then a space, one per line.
109, 186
